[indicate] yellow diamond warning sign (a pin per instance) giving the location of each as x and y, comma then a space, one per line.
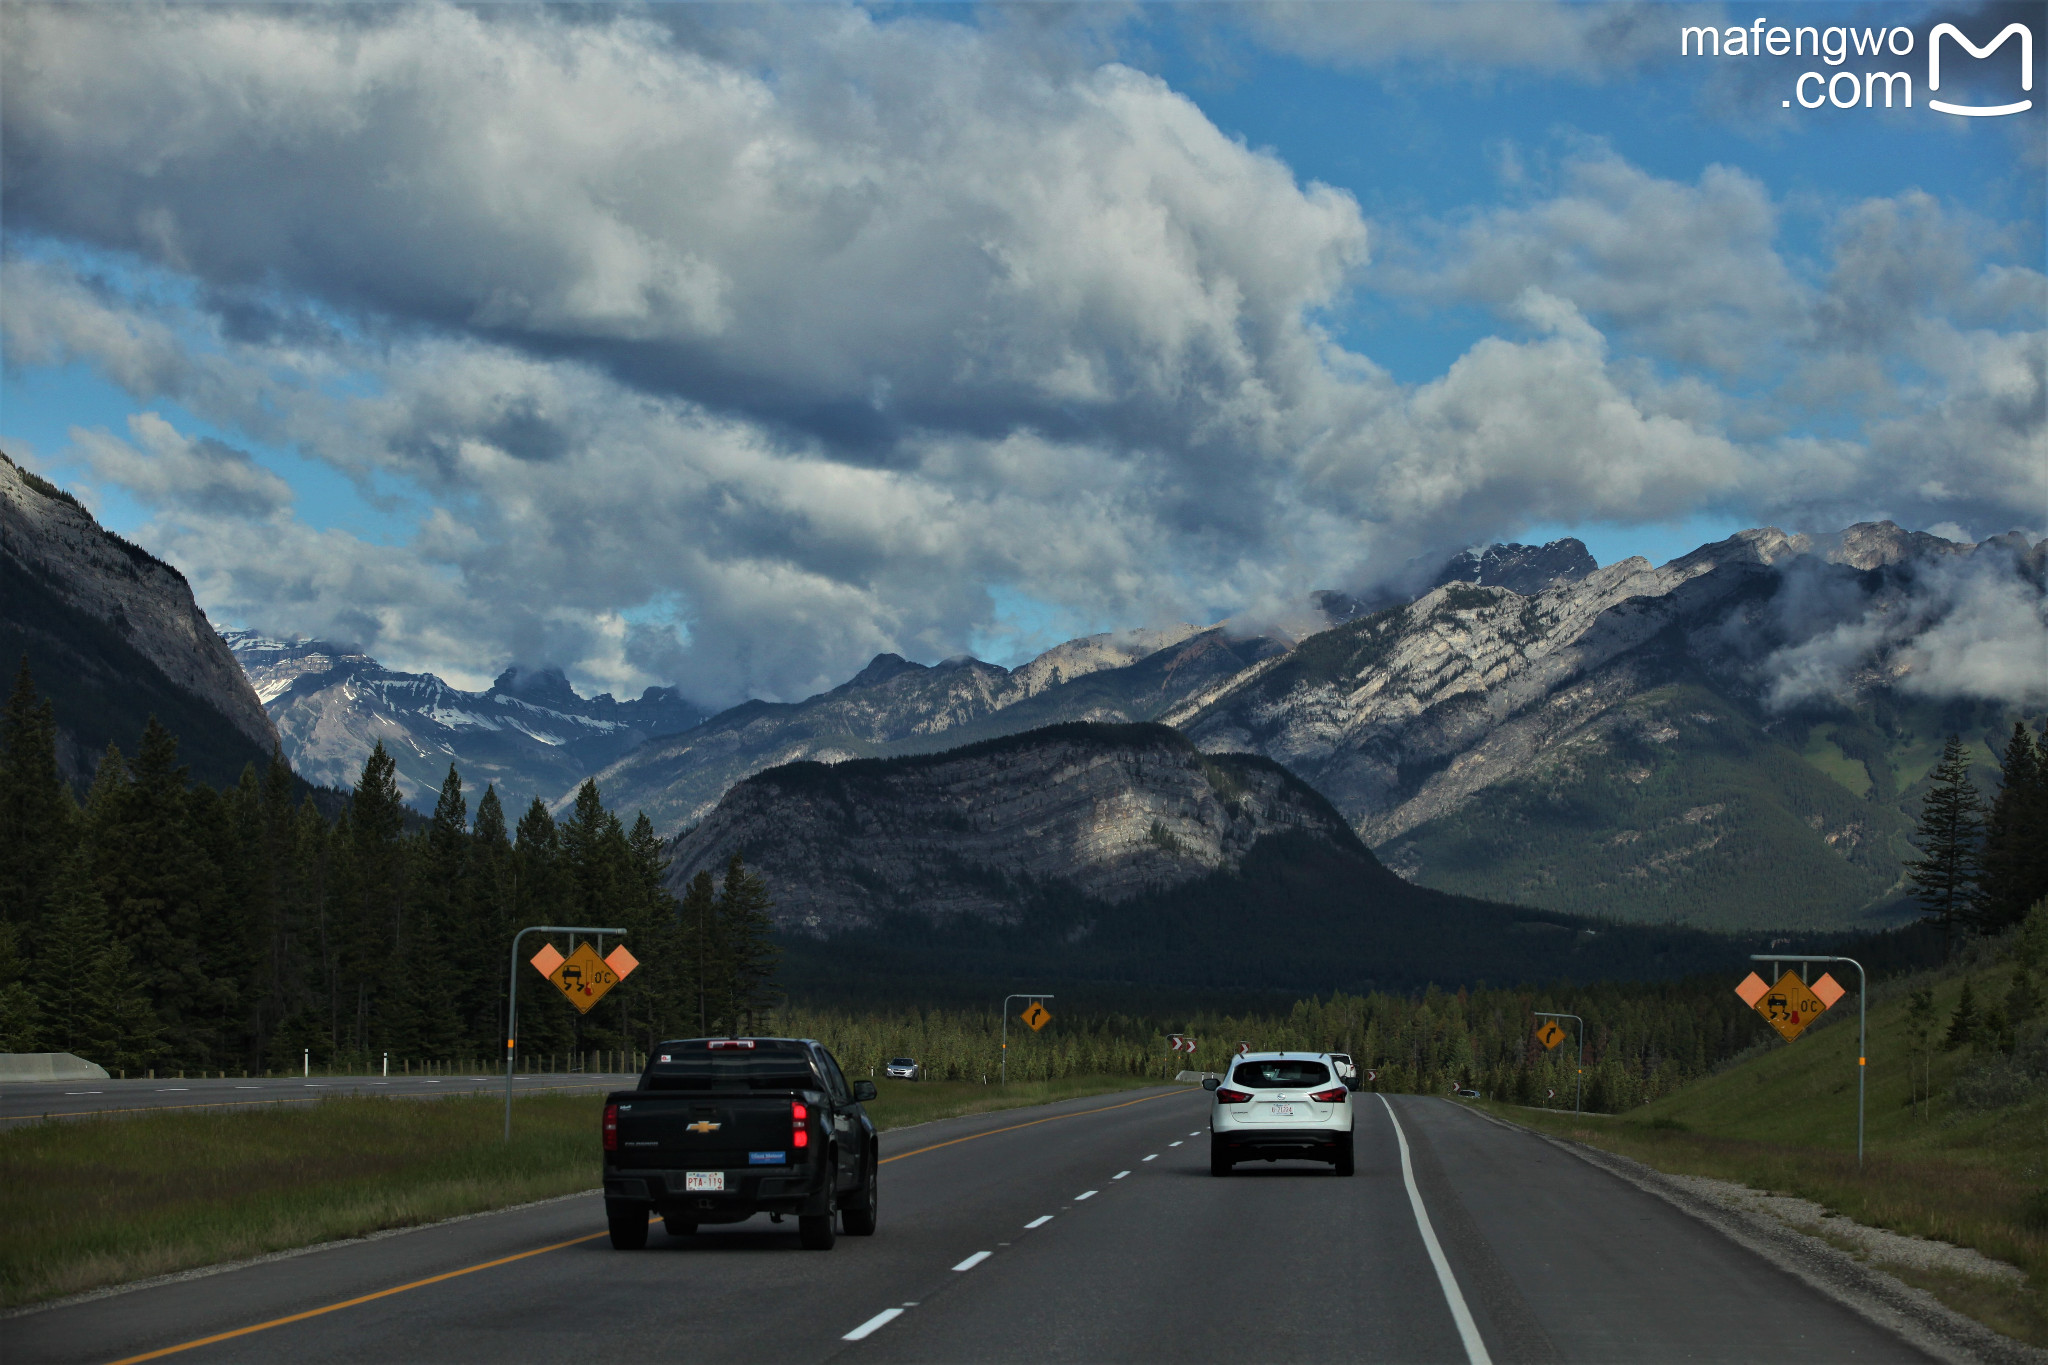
583, 976
1036, 1015
1550, 1035
1789, 1006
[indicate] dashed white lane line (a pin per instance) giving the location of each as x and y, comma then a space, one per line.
85, 1092
873, 1324
1153, 1157
1196, 1133
1079, 1197
1176, 1142
1039, 1221
972, 1261
174, 1090
1119, 1175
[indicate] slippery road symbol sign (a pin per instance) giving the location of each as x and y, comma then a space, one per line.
1550, 1035
1036, 1015
1789, 1006
583, 976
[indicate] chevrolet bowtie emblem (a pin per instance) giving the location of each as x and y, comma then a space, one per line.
703, 1126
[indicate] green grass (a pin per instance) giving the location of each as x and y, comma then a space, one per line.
93, 1202
1785, 1121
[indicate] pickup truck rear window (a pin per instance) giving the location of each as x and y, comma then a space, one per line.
735, 1073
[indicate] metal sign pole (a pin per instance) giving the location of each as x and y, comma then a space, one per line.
1579, 1084
512, 1002
1003, 1067
1862, 1025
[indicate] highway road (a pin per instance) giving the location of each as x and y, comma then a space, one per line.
1085, 1231
77, 1099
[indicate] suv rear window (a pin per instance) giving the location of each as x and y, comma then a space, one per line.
734, 1072
1280, 1073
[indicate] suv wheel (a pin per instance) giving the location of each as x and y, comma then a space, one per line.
628, 1224
1219, 1158
1343, 1162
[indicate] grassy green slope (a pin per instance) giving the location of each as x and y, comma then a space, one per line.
1784, 1120
1685, 810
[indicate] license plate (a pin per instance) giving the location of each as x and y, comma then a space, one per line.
1280, 1111
704, 1180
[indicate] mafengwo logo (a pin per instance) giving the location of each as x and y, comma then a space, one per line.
1859, 89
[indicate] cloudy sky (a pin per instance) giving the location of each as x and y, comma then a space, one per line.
727, 346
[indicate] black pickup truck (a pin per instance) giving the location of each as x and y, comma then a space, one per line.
724, 1128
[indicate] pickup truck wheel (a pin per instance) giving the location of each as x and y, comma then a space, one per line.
679, 1227
858, 1218
628, 1224
816, 1232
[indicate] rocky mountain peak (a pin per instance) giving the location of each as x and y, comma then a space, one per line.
540, 686
1524, 569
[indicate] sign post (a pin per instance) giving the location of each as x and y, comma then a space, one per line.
1550, 1035
1036, 1015
1791, 1005
512, 995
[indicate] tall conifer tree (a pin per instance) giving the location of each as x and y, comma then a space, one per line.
36, 825
2016, 833
1946, 876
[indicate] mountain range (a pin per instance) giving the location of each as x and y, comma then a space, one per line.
529, 733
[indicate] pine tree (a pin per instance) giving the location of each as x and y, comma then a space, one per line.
21, 1015
435, 961
36, 826
1964, 1023
2016, 833
98, 1007
488, 893
698, 914
375, 940
1947, 874
747, 947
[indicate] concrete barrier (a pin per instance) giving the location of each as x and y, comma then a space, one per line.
17, 1067
1197, 1077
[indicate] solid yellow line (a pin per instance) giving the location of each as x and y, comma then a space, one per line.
351, 1303
1082, 1113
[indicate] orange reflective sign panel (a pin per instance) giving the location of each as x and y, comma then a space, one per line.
621, 962
1829, 990
1752, 989
583, 977
1036, 1015
1790, 1006
546, 960
1550, 1035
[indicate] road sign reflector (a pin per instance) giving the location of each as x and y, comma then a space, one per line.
547, 959
1752, 989
1790, 1006
621, 962
1550, 1035
583, 977
1036, 1015
1829, 990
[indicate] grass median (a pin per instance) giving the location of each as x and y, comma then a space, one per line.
101, 1201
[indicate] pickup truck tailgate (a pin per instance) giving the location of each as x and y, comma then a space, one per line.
708, 1133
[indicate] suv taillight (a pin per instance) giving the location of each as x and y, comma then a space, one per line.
1232, 1096
799, 1117
1334, 1095
611, 1128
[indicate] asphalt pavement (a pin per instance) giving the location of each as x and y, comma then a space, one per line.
1085, 1231
80, 1099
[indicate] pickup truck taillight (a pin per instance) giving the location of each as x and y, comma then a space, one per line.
1334, 1095
1232, 1096
611, 1128
799, 1117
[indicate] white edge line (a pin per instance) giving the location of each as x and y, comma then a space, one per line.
1079, 1197
1039, 1221
972, 1261
873, 1324
1468, 1331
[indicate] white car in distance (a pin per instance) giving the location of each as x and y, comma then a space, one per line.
1280, 1106
903, 1069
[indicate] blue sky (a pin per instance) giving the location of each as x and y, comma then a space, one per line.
726, 346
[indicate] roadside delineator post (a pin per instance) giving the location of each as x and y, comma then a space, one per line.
1579, 1081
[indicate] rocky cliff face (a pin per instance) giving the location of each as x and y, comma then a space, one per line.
530, 734
1103, 812
894, 706
113, 634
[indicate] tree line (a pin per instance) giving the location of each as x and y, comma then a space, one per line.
165, 923
1983, 867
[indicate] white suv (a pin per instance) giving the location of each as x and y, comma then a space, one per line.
1280, 1104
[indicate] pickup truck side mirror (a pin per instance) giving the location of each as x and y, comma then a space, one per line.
864, 1090
1210, 1082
